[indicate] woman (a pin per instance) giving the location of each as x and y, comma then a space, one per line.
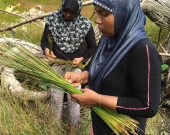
125, 72
70, 36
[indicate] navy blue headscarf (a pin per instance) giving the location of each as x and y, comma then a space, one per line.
129, 21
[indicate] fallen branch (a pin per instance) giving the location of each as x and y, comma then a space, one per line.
164, 54
16, 15
23, 22
87, 3
11, 13
158, 11
32, 19
163, 49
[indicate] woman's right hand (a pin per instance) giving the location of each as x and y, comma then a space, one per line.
49, 55
87, 99
77, 79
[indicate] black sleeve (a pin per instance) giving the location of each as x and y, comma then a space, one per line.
44, 38
145, 78
91, 44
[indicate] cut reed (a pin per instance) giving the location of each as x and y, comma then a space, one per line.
59, 62
18, 57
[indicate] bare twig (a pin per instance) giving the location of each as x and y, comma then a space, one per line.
164, 54
24, 22
11, 13
87, 3
163, 49
16, 15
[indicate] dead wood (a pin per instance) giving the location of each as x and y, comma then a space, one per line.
10, 27
9, 81
23, 22
31, 19
167, 44
158, 11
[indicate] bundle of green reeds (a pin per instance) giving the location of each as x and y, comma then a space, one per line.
29, 65
59, 61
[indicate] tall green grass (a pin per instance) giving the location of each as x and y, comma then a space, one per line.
21, 117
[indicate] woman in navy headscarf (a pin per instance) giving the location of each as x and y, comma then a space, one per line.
70, 36
125, 72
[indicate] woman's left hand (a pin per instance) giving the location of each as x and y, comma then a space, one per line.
87, 99
77, 61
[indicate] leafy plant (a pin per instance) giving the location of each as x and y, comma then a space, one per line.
164, 67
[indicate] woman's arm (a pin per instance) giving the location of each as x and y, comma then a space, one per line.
90, 98
90, 48
91, 44
45, 45
145, 79
44, 39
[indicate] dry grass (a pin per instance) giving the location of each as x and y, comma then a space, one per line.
159, 124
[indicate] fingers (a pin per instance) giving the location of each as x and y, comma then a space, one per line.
77, 61
49, 53
50, 58
74, 65
82, 99
72, 78
74, 98
68, 76
75, 84
80, 103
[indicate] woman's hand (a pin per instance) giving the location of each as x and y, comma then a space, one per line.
77, 79
88, 99
49, 55
77, 61
73, 78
